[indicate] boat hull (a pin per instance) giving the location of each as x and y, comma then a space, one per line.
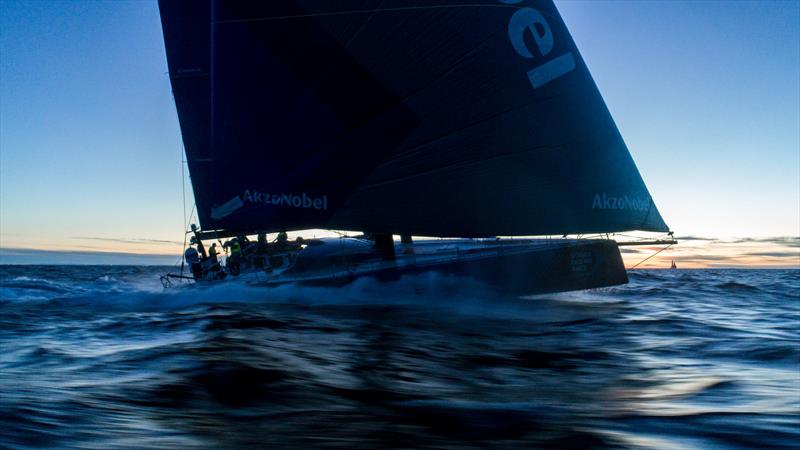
523, 270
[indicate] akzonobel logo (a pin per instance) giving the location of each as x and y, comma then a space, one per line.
301, 200
604, 201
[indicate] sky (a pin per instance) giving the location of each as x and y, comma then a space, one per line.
705, 93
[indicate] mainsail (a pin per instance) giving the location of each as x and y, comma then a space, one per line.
404, 117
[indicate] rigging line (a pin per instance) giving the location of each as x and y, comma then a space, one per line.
183, 183
638, 238
361, 27
654, 254
649, 209
183, 189
404, 153
178, 261
641, 238
182, 155
416, 148
191, 214
183, 253
182, 152
454, 65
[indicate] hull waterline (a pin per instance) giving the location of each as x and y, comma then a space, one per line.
513, 267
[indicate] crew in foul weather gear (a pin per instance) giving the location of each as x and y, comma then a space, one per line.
201, 250
235, 261
243, 241
212, 253
282, 241
193, 259
212, 267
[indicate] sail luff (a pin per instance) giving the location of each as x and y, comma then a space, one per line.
184, 25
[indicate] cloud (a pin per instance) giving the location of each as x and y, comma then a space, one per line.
789, 241
694, 238
702, 258
129, 240
776, 254
634, 251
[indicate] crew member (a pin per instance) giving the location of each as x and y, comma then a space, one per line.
193, 259
282, 240
244, 242
212, 253
262, 242
235, 261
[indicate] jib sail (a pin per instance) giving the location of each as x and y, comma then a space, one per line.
404, 117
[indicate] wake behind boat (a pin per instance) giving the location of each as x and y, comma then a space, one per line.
458, 121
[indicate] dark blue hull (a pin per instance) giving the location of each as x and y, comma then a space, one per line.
557, 267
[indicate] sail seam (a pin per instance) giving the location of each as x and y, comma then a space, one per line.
365, 11
406, 153
360, 28
452, 166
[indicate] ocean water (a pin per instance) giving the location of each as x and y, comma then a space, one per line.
104, 357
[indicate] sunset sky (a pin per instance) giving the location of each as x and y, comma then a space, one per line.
705, 93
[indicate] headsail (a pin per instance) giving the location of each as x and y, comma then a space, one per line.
404, 117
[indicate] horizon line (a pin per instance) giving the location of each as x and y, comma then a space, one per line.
17, 256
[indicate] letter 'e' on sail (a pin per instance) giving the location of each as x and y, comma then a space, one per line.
438, 118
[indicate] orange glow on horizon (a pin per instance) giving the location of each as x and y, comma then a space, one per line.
690, 253
704, 253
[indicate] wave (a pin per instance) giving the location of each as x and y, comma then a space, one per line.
736, 287
450, 294
674, 357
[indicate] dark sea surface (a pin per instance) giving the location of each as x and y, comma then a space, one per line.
103, 357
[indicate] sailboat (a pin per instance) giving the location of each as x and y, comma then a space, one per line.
461, 122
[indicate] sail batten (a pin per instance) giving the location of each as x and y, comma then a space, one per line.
413, 117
